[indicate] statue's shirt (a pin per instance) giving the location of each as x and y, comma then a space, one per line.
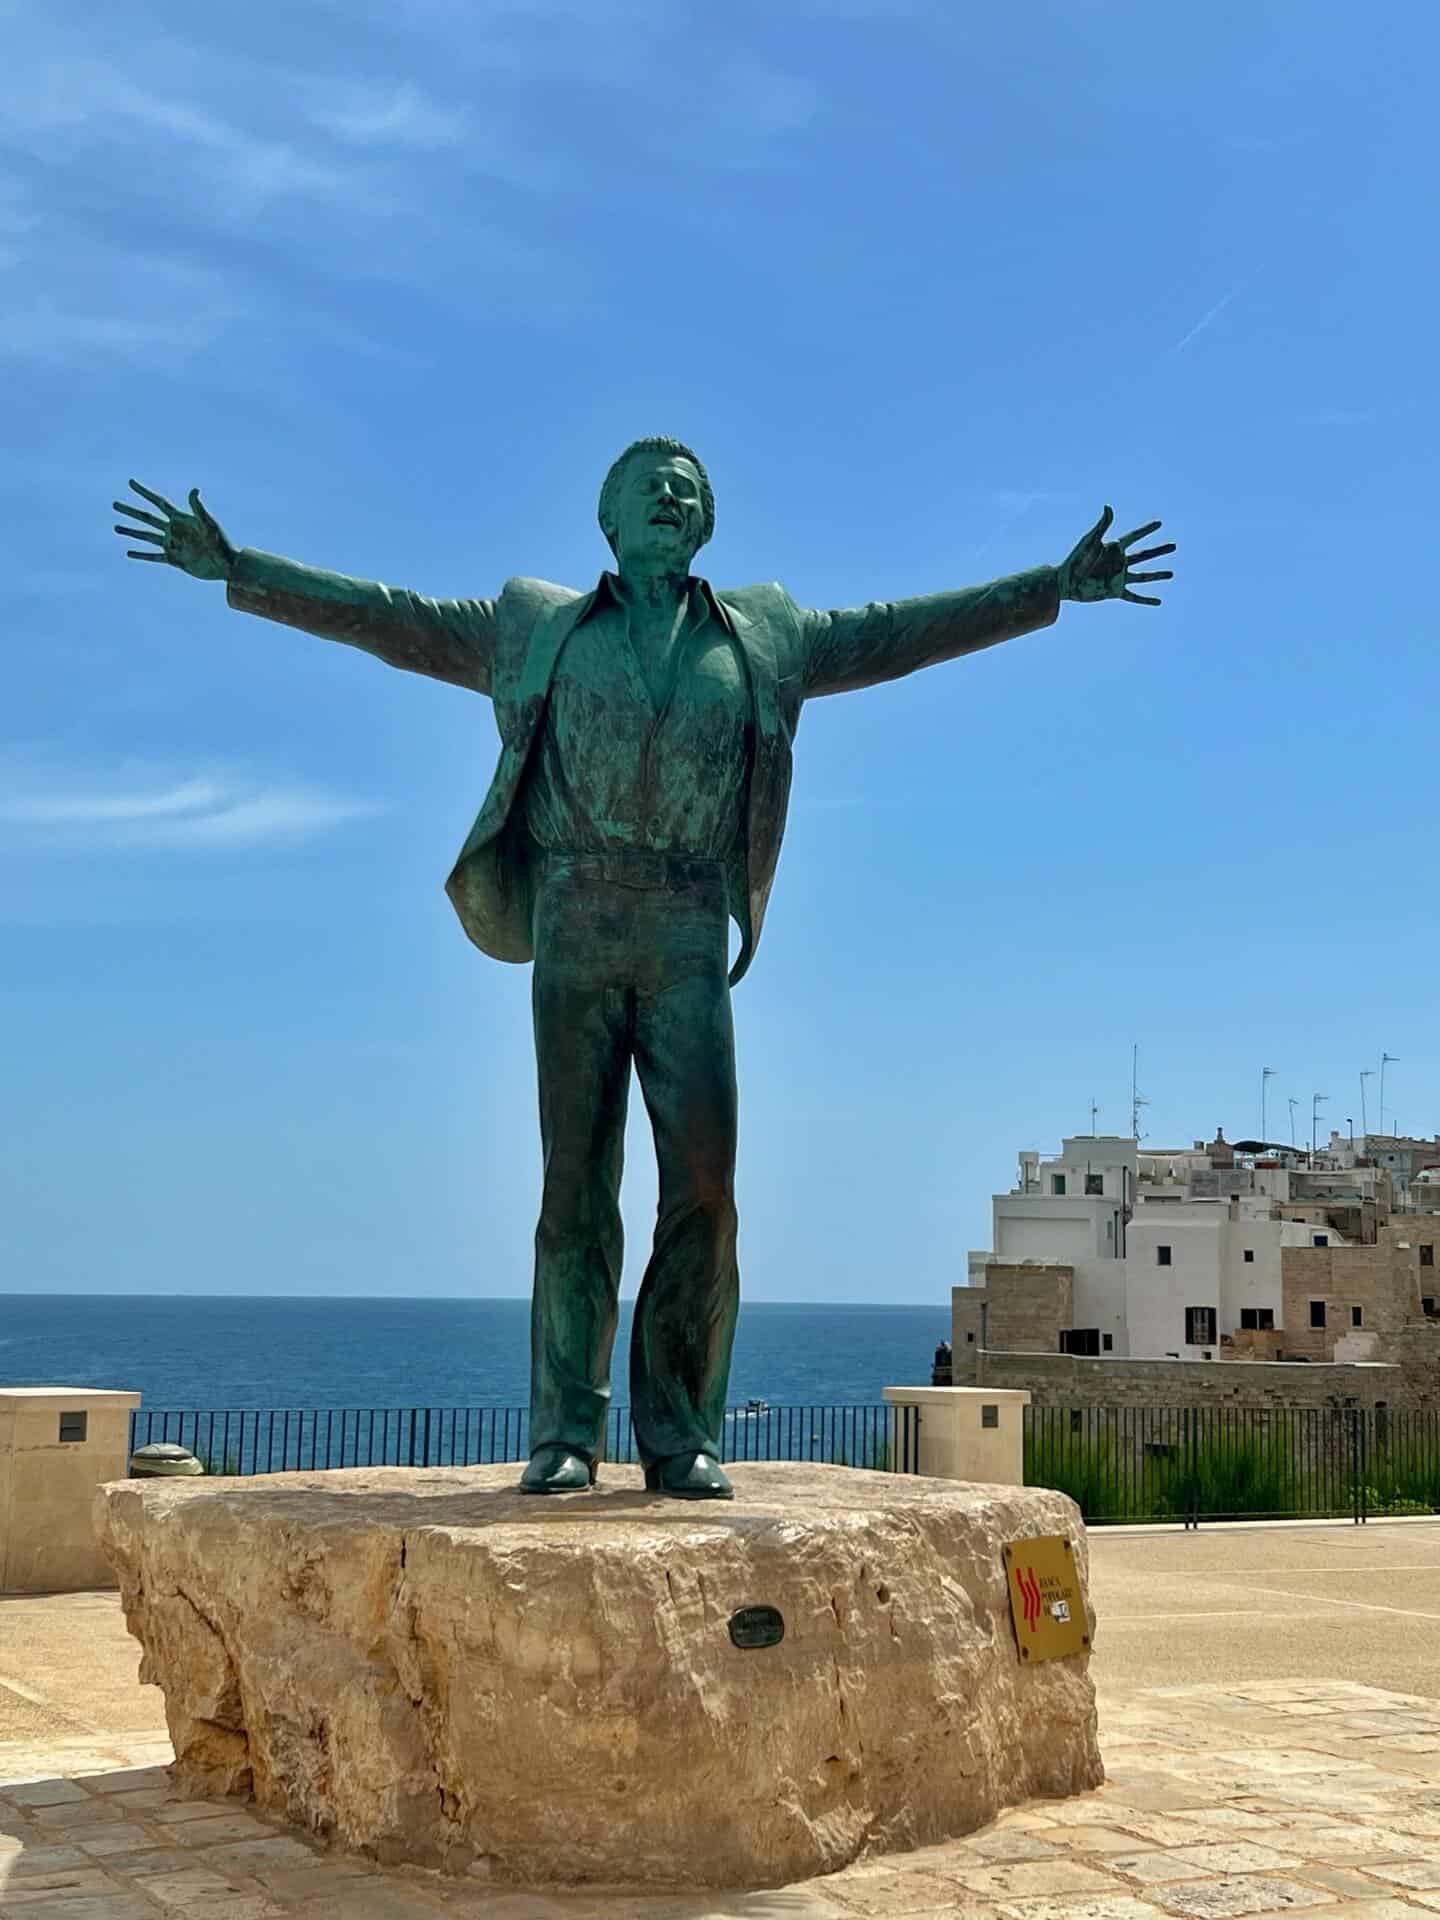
613, 768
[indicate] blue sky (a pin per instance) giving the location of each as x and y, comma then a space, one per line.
926, 285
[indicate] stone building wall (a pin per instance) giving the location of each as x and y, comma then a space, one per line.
1386, 1283
1028, 1304
1056, 1379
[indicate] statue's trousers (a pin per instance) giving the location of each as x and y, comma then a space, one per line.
631, 961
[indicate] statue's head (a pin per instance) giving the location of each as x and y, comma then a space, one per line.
657, 504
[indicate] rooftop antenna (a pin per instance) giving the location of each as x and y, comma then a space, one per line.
1386, 1060
1293, 1103
1366, 1073
1267, 1074
1137, 1099
1094, 1112
1317, 1100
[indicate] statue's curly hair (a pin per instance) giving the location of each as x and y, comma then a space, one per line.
677, 450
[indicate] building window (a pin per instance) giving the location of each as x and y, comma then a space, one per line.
1427, 1256
1357, 1316
1095, 1183
1317, 1313
1257, 1319
73, 1427
1107, 1341
1199, 1326
1319, 1239
1249, 1256
1085, 1340
1057, 1184
1427, 1306
1162, 1256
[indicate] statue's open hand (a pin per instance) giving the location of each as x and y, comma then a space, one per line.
1101, 569
195, 541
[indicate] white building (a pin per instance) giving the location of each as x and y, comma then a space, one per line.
1174, 1252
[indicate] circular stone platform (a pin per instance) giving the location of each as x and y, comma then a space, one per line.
427, 1667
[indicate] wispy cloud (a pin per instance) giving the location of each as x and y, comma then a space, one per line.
48, 95
55, 812
78, 302
392, 116
1204, 321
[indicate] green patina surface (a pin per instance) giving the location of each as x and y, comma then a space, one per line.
638, 807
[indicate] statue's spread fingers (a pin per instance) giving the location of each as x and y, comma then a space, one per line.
1163, 574
155, 499
145, 556
1150, 553
1138, 534
1141, 599
138, 513
142, 533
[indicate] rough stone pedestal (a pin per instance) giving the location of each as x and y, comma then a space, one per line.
427, 1667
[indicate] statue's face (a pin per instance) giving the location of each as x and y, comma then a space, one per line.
659, 515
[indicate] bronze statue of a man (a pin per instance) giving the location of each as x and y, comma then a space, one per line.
638, 807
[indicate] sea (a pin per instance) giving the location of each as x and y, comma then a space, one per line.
185, 1353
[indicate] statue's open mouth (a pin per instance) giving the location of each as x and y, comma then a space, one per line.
665, 520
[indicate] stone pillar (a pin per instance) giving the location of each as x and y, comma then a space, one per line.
969, 1433
57, 1445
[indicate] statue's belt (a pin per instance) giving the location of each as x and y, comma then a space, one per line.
634, 867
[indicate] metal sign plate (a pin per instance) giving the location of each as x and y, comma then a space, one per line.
1046, 1603
757, 1627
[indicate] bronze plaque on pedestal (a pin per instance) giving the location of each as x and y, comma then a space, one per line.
1046, 1603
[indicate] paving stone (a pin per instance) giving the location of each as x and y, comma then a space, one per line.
1235, 1856
1162, 1829
36, 1862
119, 1837
879, 1894
1337, 1845
1240, 1894
1101, 1840
1109, 1906
1423, 1875
99, 1906
41, 1893
1010, 1845
1235, 1819
140, 1866
1346, 1881
1035, 1877
250, 1856
197, 1891
47, 1793
125, 1780
1376, 1910
178, 1813
320, 1873
226, 1825
84, 1812
1153, 1867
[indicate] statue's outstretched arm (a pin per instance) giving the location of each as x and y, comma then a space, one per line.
450, 640
856, 646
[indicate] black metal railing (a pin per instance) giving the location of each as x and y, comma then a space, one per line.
305, 1440
1190, 1464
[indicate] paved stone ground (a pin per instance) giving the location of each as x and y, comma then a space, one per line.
1228, 1796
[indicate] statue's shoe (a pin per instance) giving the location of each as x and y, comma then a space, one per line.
689, 1476
557, 1470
